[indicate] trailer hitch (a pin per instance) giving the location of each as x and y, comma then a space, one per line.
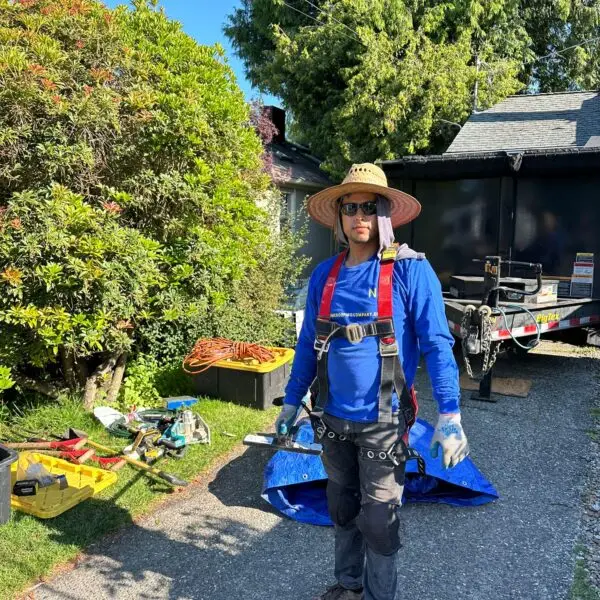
477, 323
471, 336
476, 336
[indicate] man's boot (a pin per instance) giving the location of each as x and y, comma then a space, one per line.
337, 592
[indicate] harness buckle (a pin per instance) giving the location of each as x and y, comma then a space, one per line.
396, 458
388, 349
319, 427
320, 346
390, 252
400, 453
354, 333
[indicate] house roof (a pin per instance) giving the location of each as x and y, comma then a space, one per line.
533, 122
294, 165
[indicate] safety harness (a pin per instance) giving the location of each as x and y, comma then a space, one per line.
392, 374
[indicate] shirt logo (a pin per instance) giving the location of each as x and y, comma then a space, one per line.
372, 292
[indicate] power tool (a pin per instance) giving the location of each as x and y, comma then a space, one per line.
284, 439
186, 427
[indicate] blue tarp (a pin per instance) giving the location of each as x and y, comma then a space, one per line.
295, 483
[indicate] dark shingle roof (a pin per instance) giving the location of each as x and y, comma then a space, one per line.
533, 122
293, 164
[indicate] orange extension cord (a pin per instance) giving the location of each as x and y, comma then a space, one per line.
207, 351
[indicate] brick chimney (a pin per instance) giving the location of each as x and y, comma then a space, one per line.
277, 116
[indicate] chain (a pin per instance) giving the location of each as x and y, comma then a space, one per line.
489, 354
488, 348
486, 340
464, 328
495, 353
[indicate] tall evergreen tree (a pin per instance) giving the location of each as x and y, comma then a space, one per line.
372, 79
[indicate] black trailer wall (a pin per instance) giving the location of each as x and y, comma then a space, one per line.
460, 220
541, 218
555, 219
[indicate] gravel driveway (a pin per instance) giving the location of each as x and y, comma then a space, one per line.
222, 542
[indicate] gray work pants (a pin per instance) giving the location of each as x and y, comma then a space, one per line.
363, 497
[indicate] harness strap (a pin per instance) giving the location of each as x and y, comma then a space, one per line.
323, 378
384, 289
399, 453
327, 297
355, 332
322, 341
392, 374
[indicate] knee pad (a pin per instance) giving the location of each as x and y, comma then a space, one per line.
380, 526
343, 503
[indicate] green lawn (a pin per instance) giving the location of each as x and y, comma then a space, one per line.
30, 547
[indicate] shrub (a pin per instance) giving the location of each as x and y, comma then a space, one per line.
133, 196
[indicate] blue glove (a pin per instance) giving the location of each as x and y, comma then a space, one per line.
286, 419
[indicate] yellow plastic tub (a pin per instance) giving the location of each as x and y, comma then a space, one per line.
247, 382
83, 482
282, 356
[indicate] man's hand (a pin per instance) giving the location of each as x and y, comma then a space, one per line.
449, 435
285, 420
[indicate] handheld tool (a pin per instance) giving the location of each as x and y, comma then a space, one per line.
75, 456
74, 444
171, 479
72, 433
112, 463
72, 450
284, 438
32, 475
185, 427
143, 445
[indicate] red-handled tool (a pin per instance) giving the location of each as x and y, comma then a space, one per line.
74, 444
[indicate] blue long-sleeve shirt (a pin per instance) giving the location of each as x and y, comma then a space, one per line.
355, 369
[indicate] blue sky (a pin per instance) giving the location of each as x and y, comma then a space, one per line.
203, 20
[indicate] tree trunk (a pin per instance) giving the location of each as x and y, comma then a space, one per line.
68, 368
89, 395
41, 387
91, 385
117, 378
81, 370
106, 382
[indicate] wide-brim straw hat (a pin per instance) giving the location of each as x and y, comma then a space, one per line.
365, 177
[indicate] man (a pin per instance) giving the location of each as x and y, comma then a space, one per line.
370, 313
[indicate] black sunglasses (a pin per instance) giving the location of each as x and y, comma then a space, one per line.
368, 208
